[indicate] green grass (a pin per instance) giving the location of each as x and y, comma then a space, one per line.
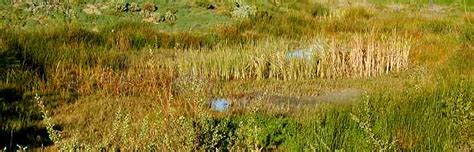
115, 82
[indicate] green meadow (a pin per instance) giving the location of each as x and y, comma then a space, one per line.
214, 75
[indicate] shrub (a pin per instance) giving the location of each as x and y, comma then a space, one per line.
216, 134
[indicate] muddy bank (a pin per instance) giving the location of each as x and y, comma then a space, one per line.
341, 96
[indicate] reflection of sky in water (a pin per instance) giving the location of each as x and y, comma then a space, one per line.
299, 54
220, 104
317, 47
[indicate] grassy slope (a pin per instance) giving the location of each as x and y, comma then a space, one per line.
86, 75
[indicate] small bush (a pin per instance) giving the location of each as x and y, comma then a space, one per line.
260, 132
216, 134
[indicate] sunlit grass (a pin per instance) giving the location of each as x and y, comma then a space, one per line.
115, 82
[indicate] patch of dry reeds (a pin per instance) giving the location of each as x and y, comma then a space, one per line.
362, 55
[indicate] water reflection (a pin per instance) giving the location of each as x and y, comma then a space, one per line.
220, 104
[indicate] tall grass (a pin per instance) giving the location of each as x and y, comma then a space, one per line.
360, 56
431, 116
163, 76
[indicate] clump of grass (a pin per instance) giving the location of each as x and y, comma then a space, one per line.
467, 35
459, 111
342, 25
122, 42
363, 56
469, 18
367, 56
106, 81
319, 10
440, 26
357, 13
150, 7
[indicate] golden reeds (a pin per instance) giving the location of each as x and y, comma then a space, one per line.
363, 55
360, 55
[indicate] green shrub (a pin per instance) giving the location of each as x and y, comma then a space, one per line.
265, 132
216, 134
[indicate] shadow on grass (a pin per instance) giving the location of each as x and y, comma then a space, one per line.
20, 119
32, 136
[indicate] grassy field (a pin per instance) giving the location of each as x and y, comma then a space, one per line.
298, 75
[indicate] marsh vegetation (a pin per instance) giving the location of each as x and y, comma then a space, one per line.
204, 75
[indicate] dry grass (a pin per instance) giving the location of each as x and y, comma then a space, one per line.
366, 56
363, 55
469, 17
108, 82
173, 74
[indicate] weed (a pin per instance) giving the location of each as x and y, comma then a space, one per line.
54, 135
459, 110
365, 123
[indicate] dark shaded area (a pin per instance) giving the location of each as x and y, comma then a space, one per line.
19, 115
8, 59
10, 94
276, 130
15, 56
211, 6
19, 118
31, 136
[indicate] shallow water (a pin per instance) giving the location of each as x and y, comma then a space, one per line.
220, 104
299, 54
342, 96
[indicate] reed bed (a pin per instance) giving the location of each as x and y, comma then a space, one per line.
109, 82
361, 55
85, 66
